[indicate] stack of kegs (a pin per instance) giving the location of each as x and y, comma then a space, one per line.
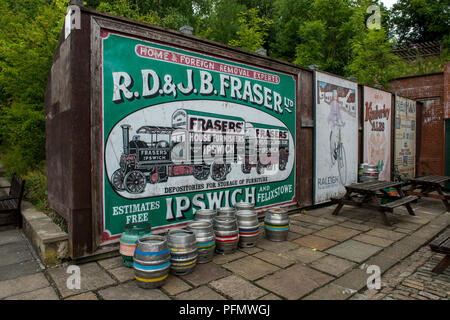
183, 251
276, 224
204, 235
227, 234
151, 261
248, 224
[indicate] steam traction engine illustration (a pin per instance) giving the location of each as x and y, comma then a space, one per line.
199, 144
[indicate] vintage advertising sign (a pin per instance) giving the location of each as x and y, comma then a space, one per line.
377, 130
405, 137
336, 136
184, 131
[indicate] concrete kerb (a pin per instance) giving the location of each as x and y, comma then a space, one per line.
47, 238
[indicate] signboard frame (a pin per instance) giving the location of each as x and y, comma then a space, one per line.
345, 91
403, 122
382, 123
178, 41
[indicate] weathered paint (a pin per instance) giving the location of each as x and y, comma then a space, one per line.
336, 136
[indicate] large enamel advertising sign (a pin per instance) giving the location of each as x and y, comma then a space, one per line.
405, 137
184, 131
377, 130
336, 136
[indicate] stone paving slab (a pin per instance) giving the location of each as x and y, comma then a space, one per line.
14, 252
200, 293
204, 273
174, 285
333, 265
92, 277
9, 236
294, 282
130, 291
304, 255
22, 285
315, 220
337, 233
354, 225
276, 246
354, 250
47, 293
356, 279
385, 234
224, 258
111, 263
237, 288
331, 292
84, 296
122, 274
316, 242
19, 269
275, 258
380, 242
300, 230
250, 268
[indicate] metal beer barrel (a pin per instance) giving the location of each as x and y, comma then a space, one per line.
244, 206
370, 172
206, 242
183, 251
248, 228
205, 215
227, 234
276, 224
151, 261
128, 239
226, 211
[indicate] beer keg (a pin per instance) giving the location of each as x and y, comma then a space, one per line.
244, 206
248, 228
226, 211
151, 261
370, 172
276, 224
183, 251
128, 239
204, 235
205, 215
227, 234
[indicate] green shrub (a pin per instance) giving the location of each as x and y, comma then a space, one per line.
36, 189
23, 128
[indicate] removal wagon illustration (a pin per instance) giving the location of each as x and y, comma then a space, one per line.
199, 144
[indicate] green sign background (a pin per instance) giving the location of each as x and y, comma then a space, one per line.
119, 57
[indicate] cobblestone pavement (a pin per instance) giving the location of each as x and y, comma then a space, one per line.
325, 257
413, 279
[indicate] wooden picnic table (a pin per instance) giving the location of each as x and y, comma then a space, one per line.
371, 194
429, 184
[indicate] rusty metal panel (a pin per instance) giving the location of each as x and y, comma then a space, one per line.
305, 144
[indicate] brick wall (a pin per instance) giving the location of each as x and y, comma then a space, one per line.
433, 91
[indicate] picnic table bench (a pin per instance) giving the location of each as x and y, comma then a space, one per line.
441, 244
429, 184
370, 194
10, 204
